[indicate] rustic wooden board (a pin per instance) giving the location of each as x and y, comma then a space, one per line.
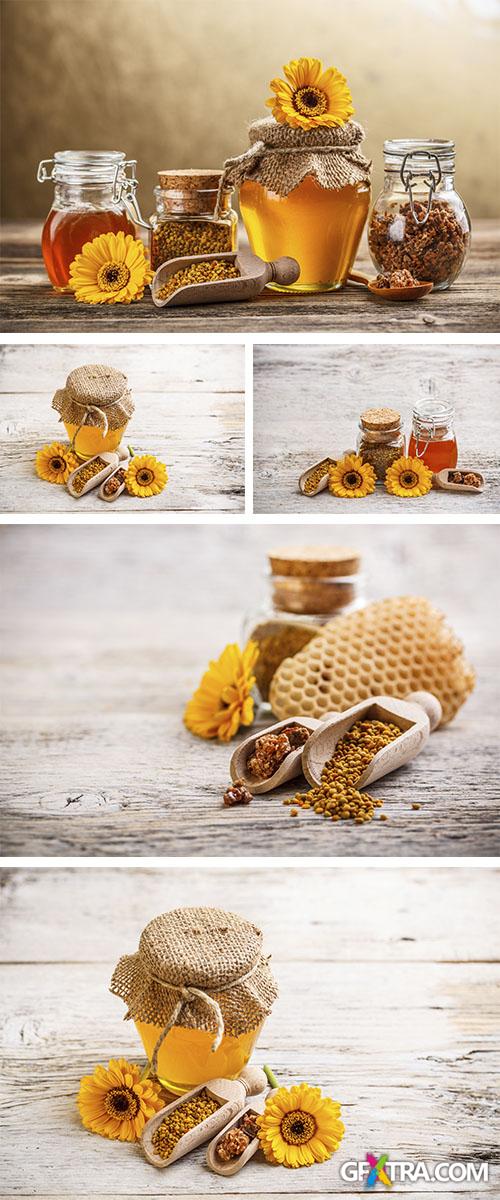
106, 632
190, 413
388, 999
307, 404
471, 306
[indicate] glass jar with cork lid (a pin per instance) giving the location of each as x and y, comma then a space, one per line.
307, 586
193, 216
95, 407
380, 439
198, 989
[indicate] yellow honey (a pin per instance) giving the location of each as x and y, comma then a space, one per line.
320, 227
186, 1058
90, 440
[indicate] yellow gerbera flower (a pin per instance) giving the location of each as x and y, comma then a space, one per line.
311, 96
116, 1102
223, 700
351, 477
146, 476
300, 1127
55, 463
408, 477
112, 269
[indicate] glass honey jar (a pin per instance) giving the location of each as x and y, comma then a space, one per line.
192, 216
433, 436
198, 990
305, 194
92, 195
95, 407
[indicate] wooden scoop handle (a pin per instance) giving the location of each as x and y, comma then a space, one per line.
355, 277
430, 705
283, 271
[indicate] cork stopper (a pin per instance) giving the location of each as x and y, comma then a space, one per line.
314, 561
378, 419
189, 180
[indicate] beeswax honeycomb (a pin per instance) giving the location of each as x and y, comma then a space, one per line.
393, 647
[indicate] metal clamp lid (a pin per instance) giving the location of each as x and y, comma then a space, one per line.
431, 180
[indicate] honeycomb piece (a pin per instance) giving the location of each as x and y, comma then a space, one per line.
393, 646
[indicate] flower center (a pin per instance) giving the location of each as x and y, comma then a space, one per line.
145, 476
409, 479
310, 101
113, 276
297, 1128
352, 479
121, 1102
57, 464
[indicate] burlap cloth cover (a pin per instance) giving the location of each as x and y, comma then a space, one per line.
279, 157
95, 395
201, 968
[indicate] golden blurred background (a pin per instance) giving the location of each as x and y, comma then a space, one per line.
174, 83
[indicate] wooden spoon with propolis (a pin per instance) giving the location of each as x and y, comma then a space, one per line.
229, 1094
253, 277
416, 292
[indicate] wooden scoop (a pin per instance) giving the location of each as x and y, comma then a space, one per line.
235, 1164
254, 275
230, 1094
416, 716
111, 460
416, 292
288, 769
441, 480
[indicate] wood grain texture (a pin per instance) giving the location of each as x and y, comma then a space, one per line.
471, 306
95, 677
389, 984
307, 404
189, 412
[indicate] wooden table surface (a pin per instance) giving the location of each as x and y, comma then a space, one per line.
307, 404
105, 634
388, 1000
189, 412
471, 306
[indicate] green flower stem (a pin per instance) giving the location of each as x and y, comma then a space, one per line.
271, 1077
131, 451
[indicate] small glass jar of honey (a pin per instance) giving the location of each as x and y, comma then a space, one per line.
95, 407
92, 195
198, 990
432, 436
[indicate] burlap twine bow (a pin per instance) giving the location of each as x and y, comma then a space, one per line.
95, 395
201, 968
280, 157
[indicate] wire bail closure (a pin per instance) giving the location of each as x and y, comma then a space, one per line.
431, 181
124, 192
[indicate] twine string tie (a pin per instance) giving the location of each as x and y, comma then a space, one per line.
187, 993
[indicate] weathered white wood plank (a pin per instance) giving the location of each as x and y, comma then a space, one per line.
396, 925
189, 412
96, 675
410, 1048
307, 403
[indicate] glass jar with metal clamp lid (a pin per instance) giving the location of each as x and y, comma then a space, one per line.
432, 437
419, 223
93, 194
